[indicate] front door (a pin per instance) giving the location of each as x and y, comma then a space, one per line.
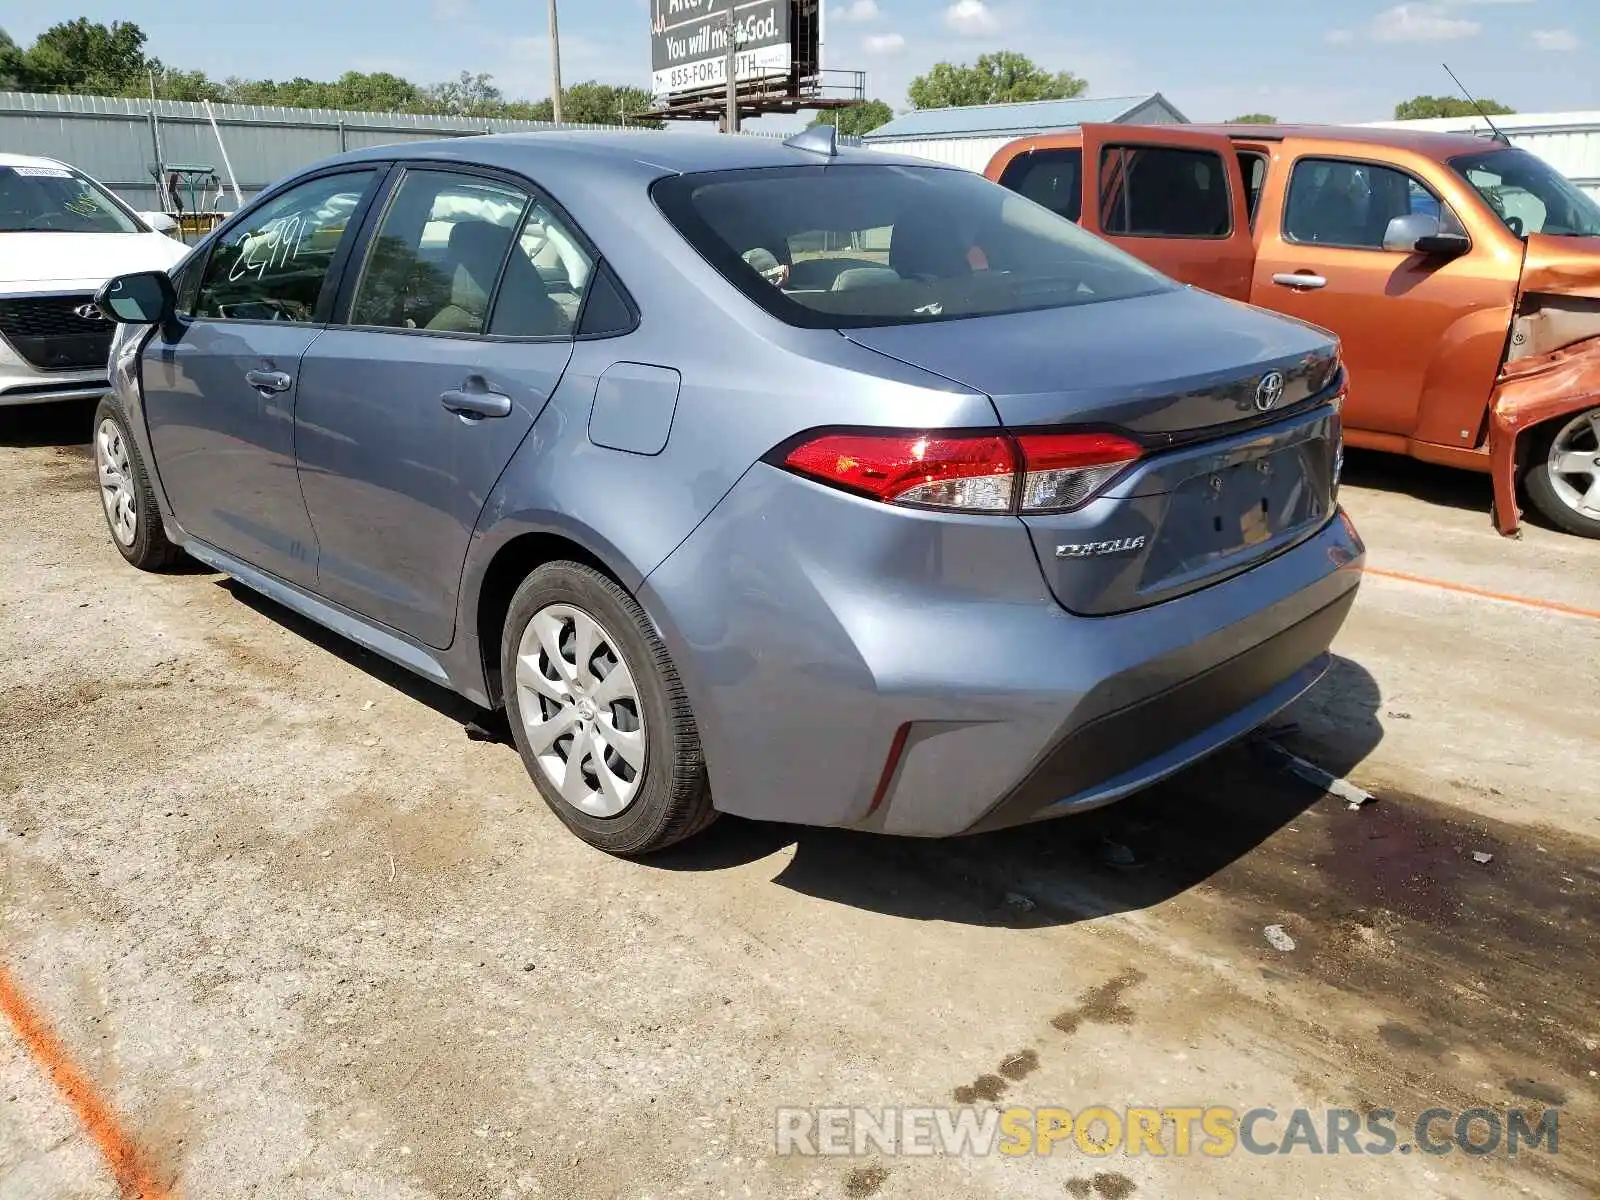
220, 395
1420, 333
1173, 198
458, 332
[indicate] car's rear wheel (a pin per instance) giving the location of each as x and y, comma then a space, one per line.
126, 495
599, 714
1564, 479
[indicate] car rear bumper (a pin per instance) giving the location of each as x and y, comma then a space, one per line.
853, 664
1115, 755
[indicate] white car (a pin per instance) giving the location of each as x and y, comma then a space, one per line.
61, 236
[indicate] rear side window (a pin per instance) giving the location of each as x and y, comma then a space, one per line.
1163, 191
273, 264
1053, 178
854, 244
1253, 167
438, 253
547, 277
1335, 202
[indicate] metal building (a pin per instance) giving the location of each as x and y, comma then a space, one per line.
121, 141
969, 137
1569, 141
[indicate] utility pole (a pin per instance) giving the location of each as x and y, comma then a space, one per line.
733, 73
555, 65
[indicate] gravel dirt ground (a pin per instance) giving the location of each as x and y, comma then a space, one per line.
302, 937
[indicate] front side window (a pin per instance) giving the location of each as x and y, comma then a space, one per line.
1334, 202
1530, 195
49, 199
1053, 178
437, 256
1163, 191
273, 264
853, 245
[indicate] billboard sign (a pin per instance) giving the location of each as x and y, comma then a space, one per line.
689, 43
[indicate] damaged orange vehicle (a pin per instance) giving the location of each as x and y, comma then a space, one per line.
1461, 274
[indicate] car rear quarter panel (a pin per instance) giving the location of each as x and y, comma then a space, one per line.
749, 382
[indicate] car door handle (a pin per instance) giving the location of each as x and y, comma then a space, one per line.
1297, 279
476, 404
268, 381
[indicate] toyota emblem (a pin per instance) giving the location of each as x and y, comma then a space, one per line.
89, 312
1269, 391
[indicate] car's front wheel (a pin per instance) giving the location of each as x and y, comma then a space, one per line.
126, 495
599, 714
1563, 479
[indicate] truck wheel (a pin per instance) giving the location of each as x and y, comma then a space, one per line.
1564, 476
599, 714
126, 496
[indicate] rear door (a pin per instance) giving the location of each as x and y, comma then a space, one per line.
1173, 198
220, 395
456, 331
1411, 324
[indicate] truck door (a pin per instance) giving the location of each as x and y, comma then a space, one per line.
1423, 334
1173, 198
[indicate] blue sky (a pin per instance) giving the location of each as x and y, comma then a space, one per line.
1314, 60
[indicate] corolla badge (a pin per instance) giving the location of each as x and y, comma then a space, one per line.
89, 312
1269, 391
1096, 549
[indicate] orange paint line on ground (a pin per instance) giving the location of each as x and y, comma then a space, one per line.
1526, 601
121, 1155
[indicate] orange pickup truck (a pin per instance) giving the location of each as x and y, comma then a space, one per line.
1461, 274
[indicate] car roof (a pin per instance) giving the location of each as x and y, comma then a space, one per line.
28, 160
589, 151
1428, 142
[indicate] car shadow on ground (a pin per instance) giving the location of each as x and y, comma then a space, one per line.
1127, 856
59, 423
475, 722
1448, 487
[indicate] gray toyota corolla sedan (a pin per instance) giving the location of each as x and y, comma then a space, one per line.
807, 484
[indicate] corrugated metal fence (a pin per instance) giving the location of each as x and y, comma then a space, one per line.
115, 139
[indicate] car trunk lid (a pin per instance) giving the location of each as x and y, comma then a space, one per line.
1232, 407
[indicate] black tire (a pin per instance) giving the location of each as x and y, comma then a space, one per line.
673, 797
149, 549
1541, 488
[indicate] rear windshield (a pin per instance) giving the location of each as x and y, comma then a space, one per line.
851, 245
48, 199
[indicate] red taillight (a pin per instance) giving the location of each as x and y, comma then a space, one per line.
924, 469
996, 473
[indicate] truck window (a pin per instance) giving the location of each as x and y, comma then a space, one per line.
1529, 195
1162, 191
1336, 202
1053, 178
1253, 167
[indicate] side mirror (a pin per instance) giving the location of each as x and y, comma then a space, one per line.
140, 298
160, 222
1419, 233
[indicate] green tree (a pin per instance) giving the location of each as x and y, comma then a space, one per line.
1002, 77
1421, 107
591, 103
173, 84
467, 96
13, 65
1253, 119
863, 118
79, 56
